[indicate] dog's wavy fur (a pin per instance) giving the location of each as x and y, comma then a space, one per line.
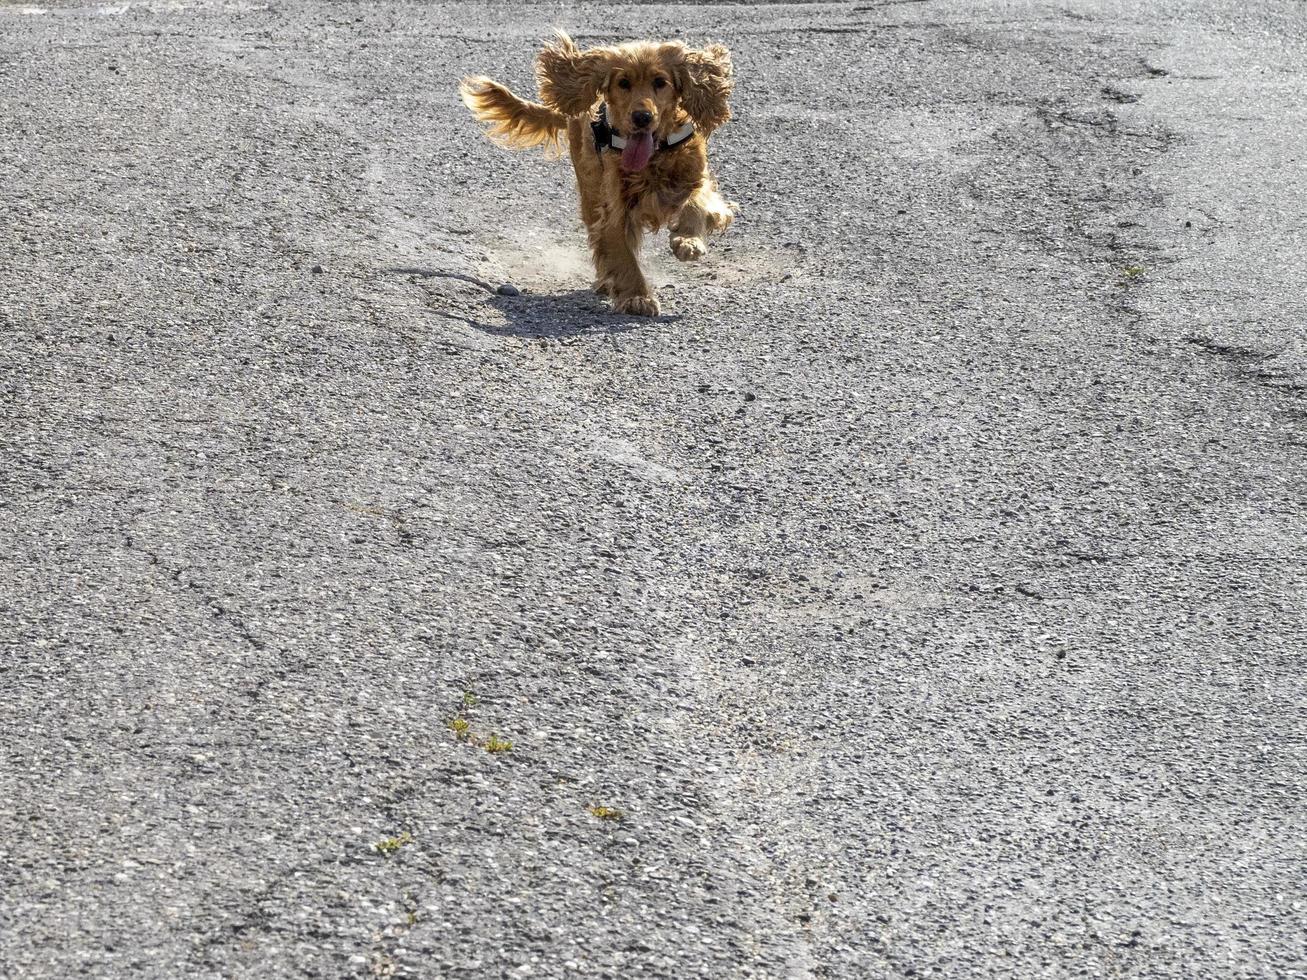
670, 82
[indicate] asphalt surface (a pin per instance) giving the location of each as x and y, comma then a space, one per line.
923, 595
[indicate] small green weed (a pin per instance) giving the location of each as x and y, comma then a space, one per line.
390, 845
607, 812
460, 727
495, 745
1133, 271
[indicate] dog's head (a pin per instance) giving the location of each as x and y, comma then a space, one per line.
650, 88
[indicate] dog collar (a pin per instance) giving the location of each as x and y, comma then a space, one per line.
608, 138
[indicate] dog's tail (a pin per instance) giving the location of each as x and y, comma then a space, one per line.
514, 123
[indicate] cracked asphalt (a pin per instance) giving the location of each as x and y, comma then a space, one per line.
923, 595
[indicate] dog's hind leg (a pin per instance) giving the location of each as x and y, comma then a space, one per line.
703, 214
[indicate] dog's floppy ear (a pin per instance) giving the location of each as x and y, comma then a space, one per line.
704, 78
570, 79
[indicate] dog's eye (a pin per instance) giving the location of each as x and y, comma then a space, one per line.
624, 83
660, 82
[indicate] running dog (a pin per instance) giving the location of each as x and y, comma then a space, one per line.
636, 118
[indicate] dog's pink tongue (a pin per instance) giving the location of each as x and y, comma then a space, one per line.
638, 150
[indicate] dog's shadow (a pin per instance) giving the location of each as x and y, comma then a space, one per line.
573, 313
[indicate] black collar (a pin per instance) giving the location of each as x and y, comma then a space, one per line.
607, 138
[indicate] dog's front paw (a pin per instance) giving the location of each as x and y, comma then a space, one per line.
636, 305
688, 249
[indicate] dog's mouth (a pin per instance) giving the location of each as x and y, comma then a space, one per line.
639, 148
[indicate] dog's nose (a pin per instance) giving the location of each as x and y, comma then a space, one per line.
641, 118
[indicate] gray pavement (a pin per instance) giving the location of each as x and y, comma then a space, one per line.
924, 595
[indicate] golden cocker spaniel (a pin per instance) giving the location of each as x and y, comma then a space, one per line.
637, 118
